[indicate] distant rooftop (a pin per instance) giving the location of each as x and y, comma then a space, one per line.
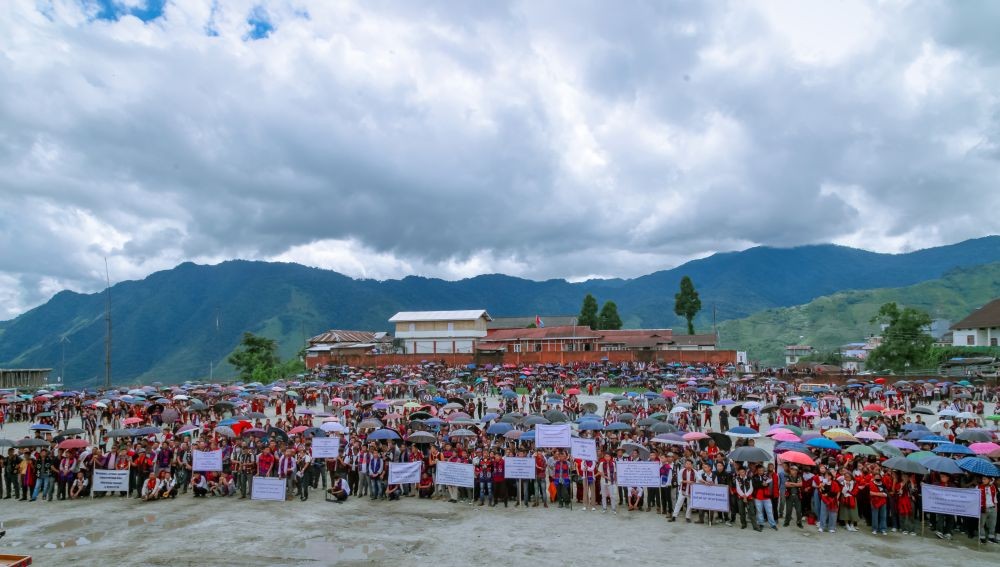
986, 316
415, 316
523, 322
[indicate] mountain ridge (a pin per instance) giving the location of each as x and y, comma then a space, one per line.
165, 324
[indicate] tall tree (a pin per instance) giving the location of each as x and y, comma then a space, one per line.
588, 312
905, 342
256, 359
608, 317
687, 304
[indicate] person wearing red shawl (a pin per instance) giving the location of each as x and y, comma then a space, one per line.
829, 493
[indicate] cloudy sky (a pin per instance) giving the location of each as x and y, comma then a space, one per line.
541, 139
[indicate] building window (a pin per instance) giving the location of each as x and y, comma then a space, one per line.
517, 347
970, 340
538, 347
993, 341
413, 327
451, 326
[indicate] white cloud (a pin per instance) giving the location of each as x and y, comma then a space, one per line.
537, 139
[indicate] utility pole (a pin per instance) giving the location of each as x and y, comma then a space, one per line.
107, 338
62, 373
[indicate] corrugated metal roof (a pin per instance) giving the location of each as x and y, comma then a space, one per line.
337, 336
463, 315
524, 322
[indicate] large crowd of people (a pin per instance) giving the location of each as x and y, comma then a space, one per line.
845, 457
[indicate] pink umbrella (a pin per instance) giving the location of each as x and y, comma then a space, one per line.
298, 429
811, 414
787, 437
870, 435
694, 436
778, 431
669, 394
132, 421
984, 448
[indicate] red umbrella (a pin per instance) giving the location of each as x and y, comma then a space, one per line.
240, 426
73, 444
298, 429
573, 391
873, 407
880, 380
668, 394
797, 458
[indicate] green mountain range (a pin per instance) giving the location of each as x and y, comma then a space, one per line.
179, 323
828, 322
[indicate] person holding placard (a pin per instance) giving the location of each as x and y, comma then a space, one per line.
585, 469
608, 474
988, 510
685, 480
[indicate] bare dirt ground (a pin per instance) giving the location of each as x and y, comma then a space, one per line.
215, 531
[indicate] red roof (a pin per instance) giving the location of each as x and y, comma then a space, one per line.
543, 333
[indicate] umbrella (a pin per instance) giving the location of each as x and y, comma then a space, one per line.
743, 432
953, 449
421, 437
26, 442
862, 450
721, 440
499, 428
383, 435
797, 458
823, 443
663, 428
462, 433
42, 427
73, 431
792, 446
923, 410
980, 466
976, 436
903, 444
750, 454
869, 436
941, 464
279, 433
370, 423
225, 431
535, 420
618, 426
905, 465
920, 455
513, 434
887, 450
984, 448
73, 444
314, 432
592, 425
629, 447
694, 436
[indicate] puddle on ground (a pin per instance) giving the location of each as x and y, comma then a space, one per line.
14, 523
330, 552
147, 519
67, 525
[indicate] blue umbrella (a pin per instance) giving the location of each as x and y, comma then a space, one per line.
499, 428
791, 446
706, 402
383, 435
743, 431
941, 464
509, 394
591, 425
490, 416
41, 427
980, 466
618, 426
527, 436
933, 439
823, 443
953, 449
915, 427
439, 400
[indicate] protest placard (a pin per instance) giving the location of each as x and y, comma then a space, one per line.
951, 501
404, 473
206, 460
552, 436
713, 497
638, 473
519, 467
325, 447
268, 488
109, 481
456, 474
582, 448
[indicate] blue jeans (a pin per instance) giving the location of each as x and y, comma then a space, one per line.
43, 485
879, 518
764, 507
828, 521
377, 488
485, 491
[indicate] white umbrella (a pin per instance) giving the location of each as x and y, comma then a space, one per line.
941, 425
679, 409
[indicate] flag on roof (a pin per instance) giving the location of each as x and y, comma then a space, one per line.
538, 322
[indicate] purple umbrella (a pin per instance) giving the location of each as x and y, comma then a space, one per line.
903, 444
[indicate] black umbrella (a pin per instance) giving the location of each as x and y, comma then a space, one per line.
723, 441
314, 432
750, 455
29, 442
277, 433
73, 431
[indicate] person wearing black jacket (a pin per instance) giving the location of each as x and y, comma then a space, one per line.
725, 478
10, 465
